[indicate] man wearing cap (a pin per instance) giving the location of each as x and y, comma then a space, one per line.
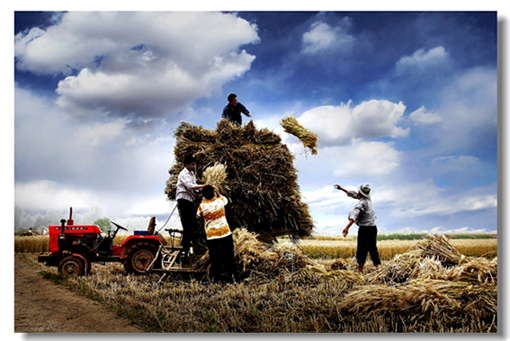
363, 215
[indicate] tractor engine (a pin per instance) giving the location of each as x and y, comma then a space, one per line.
79, 239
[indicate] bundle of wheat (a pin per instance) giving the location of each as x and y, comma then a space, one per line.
376, 297
429, 268
339, 264
428, 295
424, 298
398, 270
291, 126
261, 179
216, 175
263, 261
479, 270
440, 248
308, 275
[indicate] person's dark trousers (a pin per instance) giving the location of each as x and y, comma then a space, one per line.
188, 214
222, 256
367, 243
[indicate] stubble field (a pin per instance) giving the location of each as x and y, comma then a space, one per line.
434, 285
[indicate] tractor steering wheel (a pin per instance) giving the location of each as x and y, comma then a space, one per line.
118, 226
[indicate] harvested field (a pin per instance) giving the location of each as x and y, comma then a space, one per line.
430, 288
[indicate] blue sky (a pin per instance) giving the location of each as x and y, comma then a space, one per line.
404, 101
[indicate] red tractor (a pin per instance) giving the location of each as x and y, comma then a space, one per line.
75, 247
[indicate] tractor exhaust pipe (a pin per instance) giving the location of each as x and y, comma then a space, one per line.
70, 221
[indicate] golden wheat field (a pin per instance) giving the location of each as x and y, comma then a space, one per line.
433, 285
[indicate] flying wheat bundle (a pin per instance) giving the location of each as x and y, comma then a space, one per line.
292, 126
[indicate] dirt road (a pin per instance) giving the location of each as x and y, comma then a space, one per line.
43, 307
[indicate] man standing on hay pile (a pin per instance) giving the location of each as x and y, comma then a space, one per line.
219, 237
185, 195
363, 215
233, 110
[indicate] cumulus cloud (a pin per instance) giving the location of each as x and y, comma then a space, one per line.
423, 116
62, 162
322, 37
339, 124
148, 64
366, 159
422, 60
378, 118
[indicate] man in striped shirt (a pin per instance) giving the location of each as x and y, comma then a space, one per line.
187, 187
219, 237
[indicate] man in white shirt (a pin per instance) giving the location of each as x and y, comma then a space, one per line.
187, 187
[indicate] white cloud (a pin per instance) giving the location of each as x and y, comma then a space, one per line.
143, 63
61, 161
469, 110
422, 60
458, 163
422, 116
49, 195
321, 197
465, 229
364, 159
339, 124
411, 200
98, 134
322, 37
378, 118
332, 124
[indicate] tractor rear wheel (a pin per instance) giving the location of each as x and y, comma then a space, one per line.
138, 257
71, 267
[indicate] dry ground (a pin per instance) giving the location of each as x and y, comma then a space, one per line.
40, 306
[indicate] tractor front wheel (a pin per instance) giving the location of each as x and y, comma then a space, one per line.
71, 267
138, 257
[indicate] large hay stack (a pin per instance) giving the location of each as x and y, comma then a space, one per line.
261, 180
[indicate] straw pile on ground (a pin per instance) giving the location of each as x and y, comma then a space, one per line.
265, 262
291, 126
435, 258
432, 283
260, 181
432, 286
